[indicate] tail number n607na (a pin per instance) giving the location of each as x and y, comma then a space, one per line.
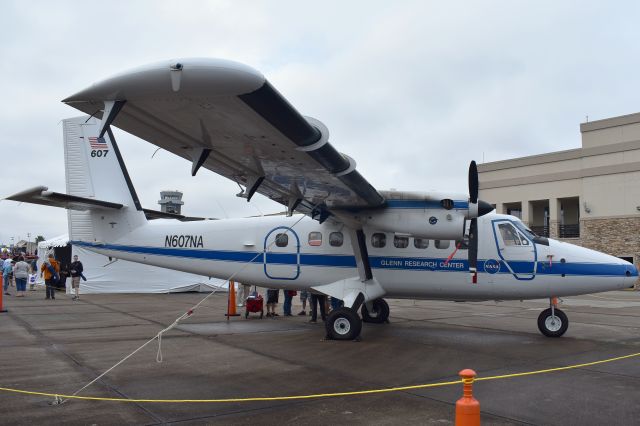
194, 241
352, 242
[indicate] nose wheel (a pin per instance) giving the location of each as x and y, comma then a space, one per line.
553, 322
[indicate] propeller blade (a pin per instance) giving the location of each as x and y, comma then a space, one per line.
473, 182
473, 249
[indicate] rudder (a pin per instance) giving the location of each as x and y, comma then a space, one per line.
95, 169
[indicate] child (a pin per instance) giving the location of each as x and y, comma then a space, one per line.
272, 301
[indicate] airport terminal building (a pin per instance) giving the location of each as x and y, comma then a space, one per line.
588, 196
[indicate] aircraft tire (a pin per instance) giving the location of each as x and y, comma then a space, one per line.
553, 327
380, 312
343, 324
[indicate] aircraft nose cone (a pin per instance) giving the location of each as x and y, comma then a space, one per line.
632, 271
484, 208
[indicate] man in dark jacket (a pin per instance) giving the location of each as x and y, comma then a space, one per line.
76, 271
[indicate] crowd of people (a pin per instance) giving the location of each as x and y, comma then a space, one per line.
15, 273
17, 270
312, 303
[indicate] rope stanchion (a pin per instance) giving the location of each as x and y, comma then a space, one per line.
467, 407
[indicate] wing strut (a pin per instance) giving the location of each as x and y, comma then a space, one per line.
111, 110
200, 156
359, 244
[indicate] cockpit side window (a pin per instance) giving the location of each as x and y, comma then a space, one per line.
510, 235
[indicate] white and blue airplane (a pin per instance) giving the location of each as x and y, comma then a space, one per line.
340, 236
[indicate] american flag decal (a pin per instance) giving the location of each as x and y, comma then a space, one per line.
97, 143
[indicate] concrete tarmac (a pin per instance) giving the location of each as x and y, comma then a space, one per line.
60, 345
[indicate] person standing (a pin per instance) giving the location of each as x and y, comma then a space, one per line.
7, 268
21, 273
304, 296
34, 272
76, 270
243, 292
288, 299
321, 300
50, 270
272, 301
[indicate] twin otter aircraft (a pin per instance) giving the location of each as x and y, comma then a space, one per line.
341, 236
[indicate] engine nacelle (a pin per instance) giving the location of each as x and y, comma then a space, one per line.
433, 224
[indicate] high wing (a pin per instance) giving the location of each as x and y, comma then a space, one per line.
227, 117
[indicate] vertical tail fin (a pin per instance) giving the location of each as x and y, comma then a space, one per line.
95, 169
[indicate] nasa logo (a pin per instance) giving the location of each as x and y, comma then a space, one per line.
433, 220
491, 266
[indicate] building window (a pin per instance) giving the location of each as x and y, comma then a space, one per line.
336, 239
420, 243
282, 240
378, 240
315, 239
400, 242
442, 244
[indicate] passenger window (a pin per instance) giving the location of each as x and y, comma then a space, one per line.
282, 240
509, 234
378, 240
400, 242
315, 239
442, 244
336, 239
420, 243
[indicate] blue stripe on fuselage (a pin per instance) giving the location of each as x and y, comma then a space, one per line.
377, 262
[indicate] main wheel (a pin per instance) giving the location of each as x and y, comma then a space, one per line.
552, 326
343, 324
379, 312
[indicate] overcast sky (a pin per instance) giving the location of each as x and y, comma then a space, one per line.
412, 90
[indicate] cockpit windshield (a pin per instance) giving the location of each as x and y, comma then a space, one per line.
526, 231
530, 234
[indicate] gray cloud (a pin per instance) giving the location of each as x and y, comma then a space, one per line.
412, 90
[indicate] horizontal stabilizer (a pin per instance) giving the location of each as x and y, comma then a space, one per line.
42, 195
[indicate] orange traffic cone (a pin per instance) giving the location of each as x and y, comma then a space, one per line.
467, 407
231, 301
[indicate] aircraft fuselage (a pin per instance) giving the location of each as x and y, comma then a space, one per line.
299, 253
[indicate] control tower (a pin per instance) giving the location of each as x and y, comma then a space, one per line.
171, 202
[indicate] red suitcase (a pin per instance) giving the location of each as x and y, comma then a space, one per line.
254, 303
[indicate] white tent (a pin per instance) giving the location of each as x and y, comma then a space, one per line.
121, 276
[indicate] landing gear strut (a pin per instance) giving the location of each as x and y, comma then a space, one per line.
553, 322
343, 324
379, 312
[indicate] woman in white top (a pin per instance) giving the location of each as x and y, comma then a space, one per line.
21, 273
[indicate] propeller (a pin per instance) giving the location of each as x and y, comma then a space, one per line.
473, 226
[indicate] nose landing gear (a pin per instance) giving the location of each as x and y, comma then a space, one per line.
553, 322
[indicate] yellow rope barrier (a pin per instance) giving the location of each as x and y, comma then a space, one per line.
320, 395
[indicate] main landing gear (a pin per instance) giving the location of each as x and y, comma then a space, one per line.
377, 313
345, 323
553, 322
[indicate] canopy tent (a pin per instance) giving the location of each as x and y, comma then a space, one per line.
121, 276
